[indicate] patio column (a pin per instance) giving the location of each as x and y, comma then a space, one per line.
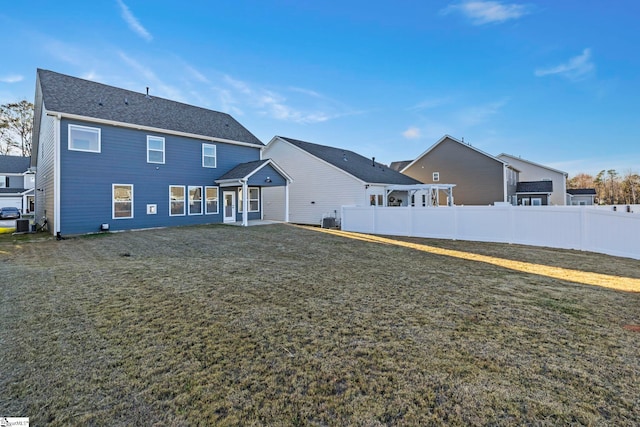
245, 203
286, 201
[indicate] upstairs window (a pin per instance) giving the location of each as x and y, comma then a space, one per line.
155, 149
436, 176
83, 138
208, 156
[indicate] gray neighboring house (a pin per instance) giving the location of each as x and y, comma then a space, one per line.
534, 193
17, 183
326, 178
581, 196
531, 172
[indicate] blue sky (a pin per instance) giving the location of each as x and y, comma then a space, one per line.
555, 82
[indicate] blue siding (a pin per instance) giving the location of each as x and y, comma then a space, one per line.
87, 178
258, 179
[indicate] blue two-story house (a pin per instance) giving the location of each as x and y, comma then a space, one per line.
108, 158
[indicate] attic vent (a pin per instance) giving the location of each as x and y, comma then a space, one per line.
373, 162
147, 95
126, 100
344, 157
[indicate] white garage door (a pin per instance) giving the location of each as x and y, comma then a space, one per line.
11, 201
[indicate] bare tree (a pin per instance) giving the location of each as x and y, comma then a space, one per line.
16, 125
581, 180
631, 187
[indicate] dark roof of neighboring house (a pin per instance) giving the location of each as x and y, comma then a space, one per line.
581, 191
399, 165
534, 187
242, 170
14, 164
12, 190
71, 95
354, 164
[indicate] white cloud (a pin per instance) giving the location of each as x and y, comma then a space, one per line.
486, 12
576, 68
156, 85
431, 103
475, 115
12, 78
412, 133
133, 22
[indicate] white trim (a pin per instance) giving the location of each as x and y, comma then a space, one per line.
217, 199
160, 138
184, 200
72, 126
231, 218
189, 188
520, 159
215, 155
113, 201
150, 129
248, 200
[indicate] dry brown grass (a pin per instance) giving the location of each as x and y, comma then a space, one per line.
277, 325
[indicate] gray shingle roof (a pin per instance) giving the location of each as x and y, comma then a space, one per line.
534, 187
581, 191
399, 165
354, 164
14, 164
72, 95
12, 190
242, 170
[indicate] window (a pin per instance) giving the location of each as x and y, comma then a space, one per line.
155, 149
211, 200
4, 181
122, 195
436, 176
195, 200
82, 138
208, 156
254, 199
536, 201
176, 200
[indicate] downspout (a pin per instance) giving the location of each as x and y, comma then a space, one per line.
56, 176
245, 203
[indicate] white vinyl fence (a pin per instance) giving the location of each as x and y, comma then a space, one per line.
568, 227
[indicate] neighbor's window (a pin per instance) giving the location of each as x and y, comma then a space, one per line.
208, 156
195, 200
436, 176
82, 138
176, 200
254, 199
211, 199
122, 201
155, 149
4, 181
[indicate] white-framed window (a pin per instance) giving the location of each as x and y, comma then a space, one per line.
208, 156
211, 200
155, 149
122, 196
536, 201
176, 200
436, 176
254, 199
83, 138
4, 181
195, 200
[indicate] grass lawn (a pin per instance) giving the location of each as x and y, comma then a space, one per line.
280, 325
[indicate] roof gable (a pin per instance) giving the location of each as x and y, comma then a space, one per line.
74, 96
449, 138
14, 164
360, 167
520, 159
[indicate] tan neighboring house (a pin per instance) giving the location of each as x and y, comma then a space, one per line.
480, 178
531, 172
